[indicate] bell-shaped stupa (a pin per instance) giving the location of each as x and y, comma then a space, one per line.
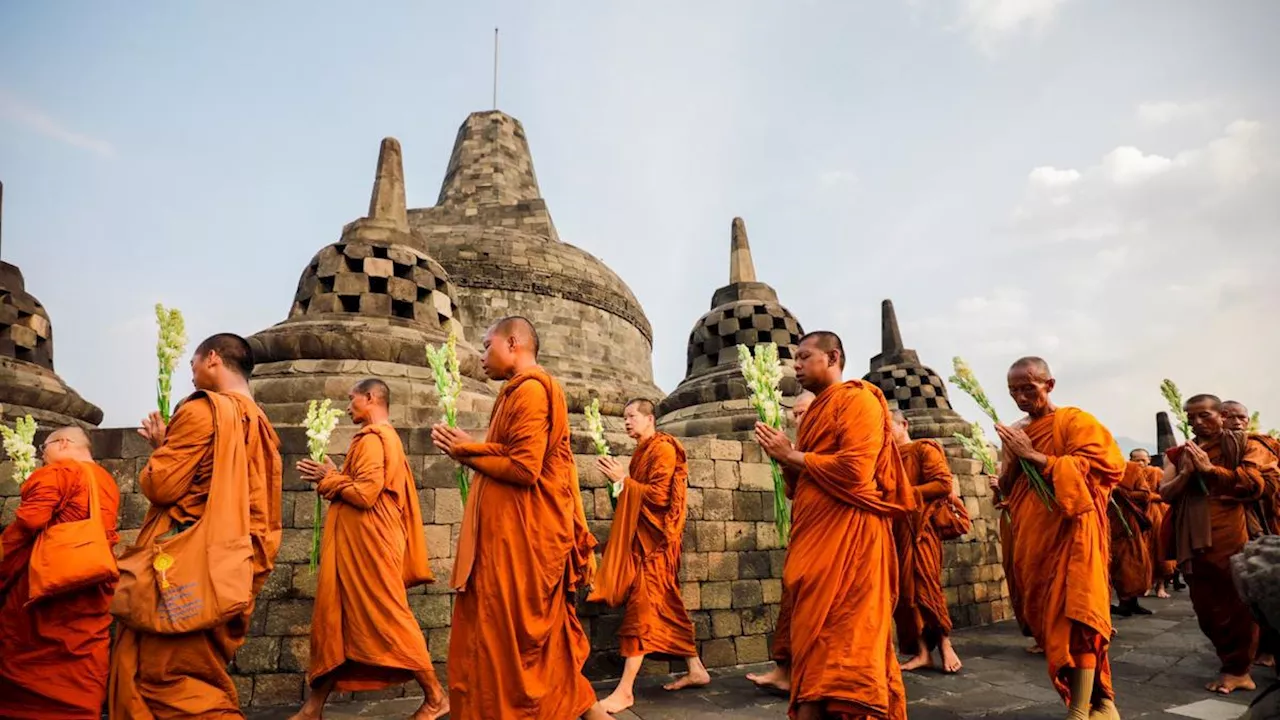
492, 232
368, 305
28, 384
713, 398
910, 386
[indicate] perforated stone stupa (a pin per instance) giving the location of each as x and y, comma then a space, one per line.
910, 386
367, 305
28, 384
492, 232
712, 399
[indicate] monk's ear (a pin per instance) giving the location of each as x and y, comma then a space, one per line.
1050, 384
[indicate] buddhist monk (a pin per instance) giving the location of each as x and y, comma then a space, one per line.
517, 648
1235, 417
847, 486
1161, 570
1131, 539
1061, 552
1209, 482
159, 676
53, 654
923, 623
1001, 505
363, 634
642, 560
779, 678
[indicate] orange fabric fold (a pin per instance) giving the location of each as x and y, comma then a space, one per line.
54, 654
841, 570
517, 648
1061, 554
162, 677
1235, 482
363, 634
642, 558
922, 606
1131, 551
1162, 568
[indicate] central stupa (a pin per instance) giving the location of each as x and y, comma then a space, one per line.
491, 231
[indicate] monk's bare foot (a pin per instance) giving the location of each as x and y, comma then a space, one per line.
1035, 649
307, 714
924, 660
1162, 593
1227, 684
432, 712
778, 679
690, 679
617, 702
950, 660
596, 712
1265, 660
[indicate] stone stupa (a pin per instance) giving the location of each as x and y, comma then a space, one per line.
28, 383
491, 230
713, 398
910, 386
368, 305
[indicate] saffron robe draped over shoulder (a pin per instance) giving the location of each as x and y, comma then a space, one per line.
1234, 482
1061, 554
517, 648
841, 569
642, 559
54, 654
363, 634
1130, 550
162, 677
1162, 568
922, 606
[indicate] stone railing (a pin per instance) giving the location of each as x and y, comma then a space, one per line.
730, 571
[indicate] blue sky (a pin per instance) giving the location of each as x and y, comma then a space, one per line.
1087, 180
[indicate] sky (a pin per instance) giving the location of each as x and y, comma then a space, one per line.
1090, 181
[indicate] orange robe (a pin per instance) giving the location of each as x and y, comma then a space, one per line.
1162, 568
1061, 554
517, 648
1006, 560
1207, 532
1269, 506
157, 676
922, 606
1131, 551
53, 655
363, 634
841, 568
642, 560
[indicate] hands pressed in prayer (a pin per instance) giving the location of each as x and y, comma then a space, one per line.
775, 443
1016, 441
153, 429
611, 468
1198, 457
314, 472
447, 438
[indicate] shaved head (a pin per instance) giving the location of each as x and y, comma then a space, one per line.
1213, 400
520, 329
827, 342
72, 435
375, 389
801, 405
1034, 365
234, 351
641, 405
1235, 416
898, 416
68, 443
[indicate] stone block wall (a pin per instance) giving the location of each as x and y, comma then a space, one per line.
730, 572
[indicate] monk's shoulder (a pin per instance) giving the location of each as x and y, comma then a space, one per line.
194, 415
928, 446
531, 394
48, 477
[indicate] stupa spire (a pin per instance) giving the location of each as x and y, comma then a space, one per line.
741, 267
890, 336
388, 202
1165, 439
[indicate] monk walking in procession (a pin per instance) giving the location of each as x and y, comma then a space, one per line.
517, 649
848, 485
642, 559
1062, 537
923, 623
1211, 481
363, 634
54, 652
214, 473
1130, 539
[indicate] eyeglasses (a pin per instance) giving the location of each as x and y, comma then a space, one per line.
47, 443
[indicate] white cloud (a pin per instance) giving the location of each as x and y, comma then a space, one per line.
1127, 165
36, 120
1051, 177
991, 22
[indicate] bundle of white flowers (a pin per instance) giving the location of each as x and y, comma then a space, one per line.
763, 373
320, 422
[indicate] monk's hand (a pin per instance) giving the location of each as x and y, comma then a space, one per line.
993, 483
448, 439
314, 472
611, 468
1016, 441
1199, 458
775, 443
153, 429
